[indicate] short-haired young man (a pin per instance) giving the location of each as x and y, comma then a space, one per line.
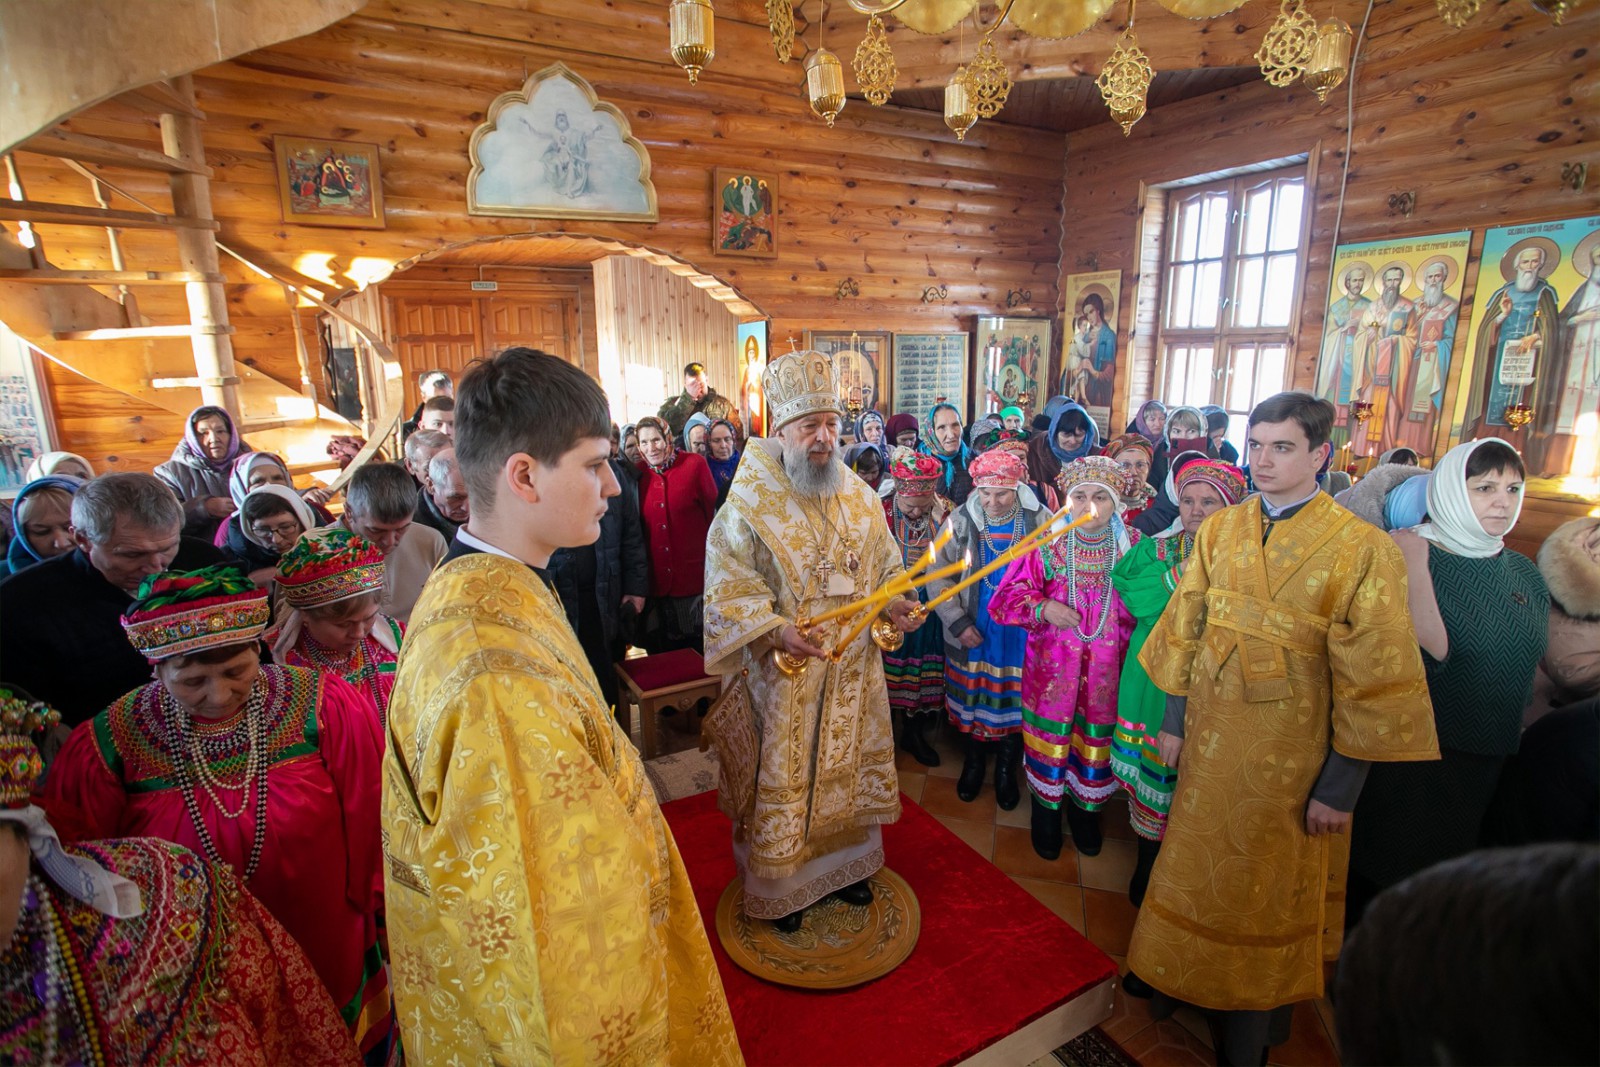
380, 504
1289, 651
697, 397
537, 908
438, 415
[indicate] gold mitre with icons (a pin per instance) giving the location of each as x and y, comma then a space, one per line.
798, 384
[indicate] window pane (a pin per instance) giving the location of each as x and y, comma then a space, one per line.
1213, 239
1242, 365
1207, 293
1247, 292
1198, 392
1189, 229
1181, 295
1286, 215
1279, 300
1177, 368
1257, 216
1272, 372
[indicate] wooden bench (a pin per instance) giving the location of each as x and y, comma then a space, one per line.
666, 680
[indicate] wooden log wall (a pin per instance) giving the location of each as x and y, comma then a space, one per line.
887, 197
651, 324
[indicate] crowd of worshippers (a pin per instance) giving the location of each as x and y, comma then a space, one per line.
209, 627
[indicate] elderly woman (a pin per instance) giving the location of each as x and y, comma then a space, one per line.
943, 440
253, 470
332, 580
694, 433
1134, 455
41, 515
630, 445
141, 941
1150, 422
271, 518
915, 671
199, 469
271, 770
1186, 432
1077, 628
677, 501
1145, 580
69, 464
873, 430
902, 431
722, 445
1481, 615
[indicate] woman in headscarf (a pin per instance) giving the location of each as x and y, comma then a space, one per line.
630, 448
1061, 595
1043, 466
270, 520
722, 455
1160, 516
866, 462
1073, 434
1217, 430
137, 950
942, 439
69, 464
332, 580
271, 770
1186, 432
873, 430
253, 470
695, 429
1013, 419
1133, 454
902, 430
915, 671
1150, 422
41, 515
1145, 579
1482, 616
677, 501
199, 469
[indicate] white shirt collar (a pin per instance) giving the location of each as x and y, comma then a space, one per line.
466, 537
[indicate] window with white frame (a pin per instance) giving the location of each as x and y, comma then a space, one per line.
1231, 291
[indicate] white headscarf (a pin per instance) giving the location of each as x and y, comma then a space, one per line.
288, 496
1454, 524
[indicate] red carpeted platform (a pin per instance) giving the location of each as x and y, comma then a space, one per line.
991, 959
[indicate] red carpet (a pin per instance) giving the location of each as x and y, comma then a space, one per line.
990, 960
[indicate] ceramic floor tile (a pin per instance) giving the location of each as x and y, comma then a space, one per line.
912, 785
1109, 918
1021, 815
1129, 1016
939, 798
1309, 1044
1065, 900
980, 835
1194, 1021
1112, 868
905, 764
1014, 854
1167, 1044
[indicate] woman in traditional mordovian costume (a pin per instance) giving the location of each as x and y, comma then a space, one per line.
273, 771
915, 671
139, 951
1145, 579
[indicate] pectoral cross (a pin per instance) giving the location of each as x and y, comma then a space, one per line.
824, 571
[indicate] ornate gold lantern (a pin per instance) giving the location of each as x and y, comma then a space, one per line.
1125, 79
874, 64
825, 84
694, 35
1287, 45
780, 23
960, 106
990, 81
1330, 58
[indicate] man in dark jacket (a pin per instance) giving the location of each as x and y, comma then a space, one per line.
602, 584
60, 621
696, 397
442, 500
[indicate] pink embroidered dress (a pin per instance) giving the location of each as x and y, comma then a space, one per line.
369, 669
1069, 677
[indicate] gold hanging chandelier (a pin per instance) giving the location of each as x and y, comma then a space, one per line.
780, 23
825, 84
694, 35
989, 79
1125, 79
1286, 48
1330, 58
960, 104
874, 64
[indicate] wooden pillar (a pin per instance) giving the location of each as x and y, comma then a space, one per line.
197, 251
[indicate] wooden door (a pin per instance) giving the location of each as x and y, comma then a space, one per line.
434, 333
548, 323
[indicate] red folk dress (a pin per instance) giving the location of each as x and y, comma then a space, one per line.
676, 506
320, 871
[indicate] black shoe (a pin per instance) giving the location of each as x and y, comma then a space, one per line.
1006, 792
1141, 871
858, 893
913, 738
1046, 830
1135, 986
790, 923
1085, 827
972, 768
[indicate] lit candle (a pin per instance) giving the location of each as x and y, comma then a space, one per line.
902, 583
1046, 529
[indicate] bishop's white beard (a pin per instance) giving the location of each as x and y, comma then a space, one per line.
808, 478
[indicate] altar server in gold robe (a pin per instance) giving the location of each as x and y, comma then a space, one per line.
538, 910
808, 770
1289, 651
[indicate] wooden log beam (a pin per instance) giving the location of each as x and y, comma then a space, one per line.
160, 98
74, 215
107, 277
141, 333
85, 149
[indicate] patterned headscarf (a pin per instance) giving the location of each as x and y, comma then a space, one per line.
930, 445
660, 426
884, 444
1142, 427
239, 480
999, 468
722, 470
995, 438
324, 567
1108, 474
1225, 478
1123, 442
179, 612
191, 440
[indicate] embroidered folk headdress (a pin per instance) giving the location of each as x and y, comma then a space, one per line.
914, 474
999, 468
1098, 470
798, 384
327, 566
1225, 478
181, 612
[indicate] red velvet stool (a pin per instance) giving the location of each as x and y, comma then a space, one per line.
666, 680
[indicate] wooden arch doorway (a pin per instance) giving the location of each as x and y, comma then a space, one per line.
628, 314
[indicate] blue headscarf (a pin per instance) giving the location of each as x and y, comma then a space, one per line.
20, 553
1407, 503
1091, 435
722, 470
930, 446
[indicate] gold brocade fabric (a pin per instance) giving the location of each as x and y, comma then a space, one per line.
825, 748
538, 910
1283, 650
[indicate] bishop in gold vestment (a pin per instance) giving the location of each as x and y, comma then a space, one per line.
808, 770
538, 910
1285, 650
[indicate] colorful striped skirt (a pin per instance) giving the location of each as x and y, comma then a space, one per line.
915, 672
1136, 762
984, 692
1067, 736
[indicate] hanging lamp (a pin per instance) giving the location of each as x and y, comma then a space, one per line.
694, 35
1330, 58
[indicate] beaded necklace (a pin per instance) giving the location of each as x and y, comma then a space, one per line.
193, 754
42, 974
912, 534
359, 668
1092, 557
991, 582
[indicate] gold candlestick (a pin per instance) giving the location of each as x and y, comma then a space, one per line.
1021, 547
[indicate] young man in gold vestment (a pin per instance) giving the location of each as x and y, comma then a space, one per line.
538, 910
1291, 661
808, 771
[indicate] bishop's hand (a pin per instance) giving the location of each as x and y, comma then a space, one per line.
903, 613
794, 642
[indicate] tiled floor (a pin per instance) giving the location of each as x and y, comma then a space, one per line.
1090, 892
